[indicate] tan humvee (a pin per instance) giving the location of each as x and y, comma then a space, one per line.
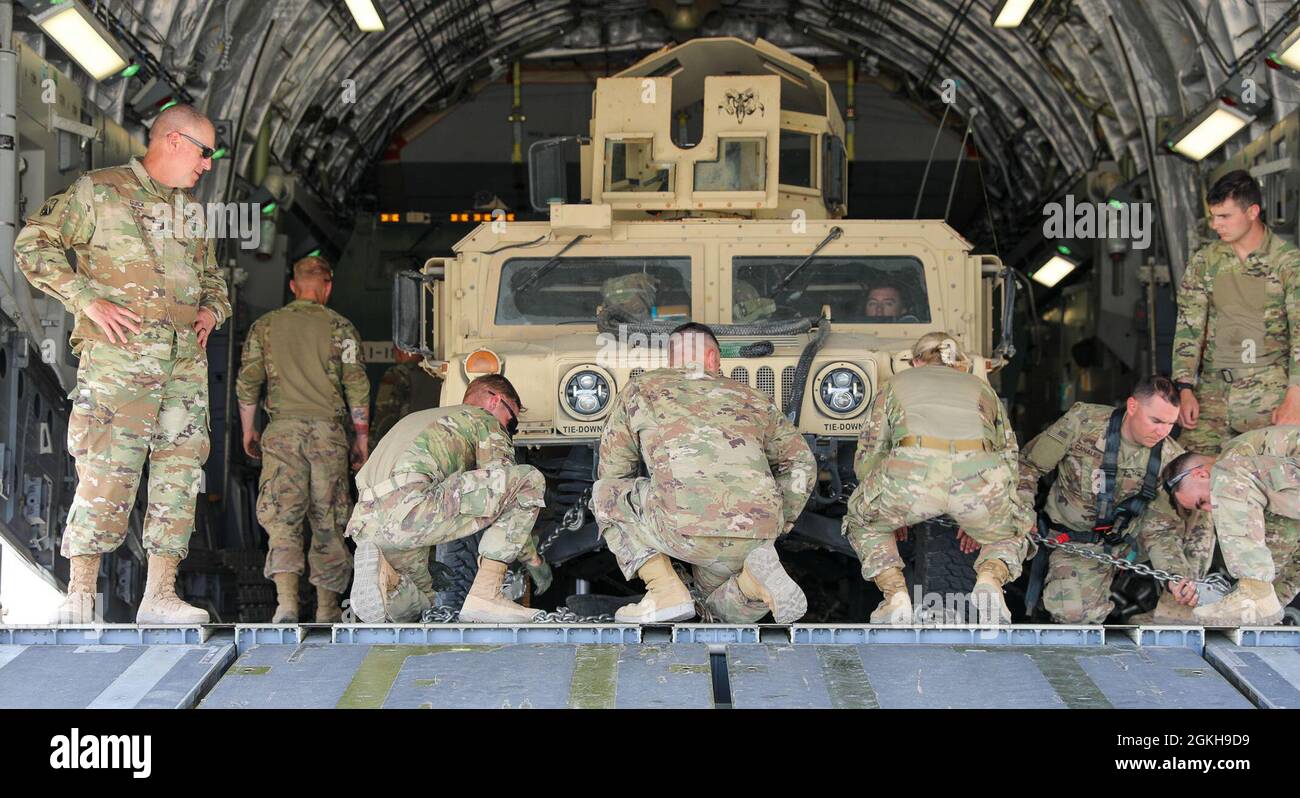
715, 232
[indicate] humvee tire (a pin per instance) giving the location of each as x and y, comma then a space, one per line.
939, 566
461, 559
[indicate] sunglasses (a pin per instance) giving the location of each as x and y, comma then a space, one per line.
204, 149
513, 425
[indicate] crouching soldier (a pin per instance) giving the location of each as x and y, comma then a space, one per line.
1105, 497
728, 474
441, 475
936, 441
1252, 491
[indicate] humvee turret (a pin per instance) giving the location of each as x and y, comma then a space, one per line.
714, 184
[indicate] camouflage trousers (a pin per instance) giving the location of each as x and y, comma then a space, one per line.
976, 489
1231, 408
1077, 589
634, 537
1259, 537
406, 523
127, 410
305, 476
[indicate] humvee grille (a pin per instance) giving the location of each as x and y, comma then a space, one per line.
765, 381
740, 374
636, 372
787, 388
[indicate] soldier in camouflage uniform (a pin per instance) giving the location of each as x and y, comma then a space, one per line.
440, 475
1077, 589
728, 474
1252, 491
632, 295
936, 441
404, 389
310, 359
1238, 316
146, 293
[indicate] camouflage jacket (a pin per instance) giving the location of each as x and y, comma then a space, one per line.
886, 424
1267, 458
309, 357
438, 443
131, 248
1277, 264
723, 461
1073, 447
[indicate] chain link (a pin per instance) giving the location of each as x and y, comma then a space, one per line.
444, 614
1214, 582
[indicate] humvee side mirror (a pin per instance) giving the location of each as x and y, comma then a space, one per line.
992, 269
413, 312
548, 179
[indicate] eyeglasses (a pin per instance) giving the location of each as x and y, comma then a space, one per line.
204, 149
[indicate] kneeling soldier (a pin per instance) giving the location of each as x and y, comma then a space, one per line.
1105, 463
440, 475
936, 441
1252, 491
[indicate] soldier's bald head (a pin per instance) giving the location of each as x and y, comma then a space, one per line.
180, 118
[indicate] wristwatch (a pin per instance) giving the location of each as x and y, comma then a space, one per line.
1185, 386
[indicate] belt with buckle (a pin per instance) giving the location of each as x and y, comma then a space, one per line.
945, 445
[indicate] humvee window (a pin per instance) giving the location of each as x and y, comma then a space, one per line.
741, 166
630, 167
858, 290
571, 291
796, 165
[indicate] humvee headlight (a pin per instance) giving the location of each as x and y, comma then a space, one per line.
587, 393
842, 390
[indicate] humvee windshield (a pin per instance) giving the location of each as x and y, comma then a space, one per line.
570, 291
858, 290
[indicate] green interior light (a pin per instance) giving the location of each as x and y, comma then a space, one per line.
169, 104
1114, 203
1063, 249
219, 153
315, 253
268, 209
131, 71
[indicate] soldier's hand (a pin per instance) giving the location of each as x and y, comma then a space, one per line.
204, 323
1189, 410
253, 444
900, 534
1184, 592
360, 451
540, 571
114, 320
966, 543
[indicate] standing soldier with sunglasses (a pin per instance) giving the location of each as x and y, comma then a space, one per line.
146, 293
310, 359
437, 476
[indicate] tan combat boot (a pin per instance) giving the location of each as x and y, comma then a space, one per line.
79, 605
763, 579
1169, 612
327, 606
1251, 603
286, 597
372, 580
990, 605
485, 604
896, 609
161, 604
666, 598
